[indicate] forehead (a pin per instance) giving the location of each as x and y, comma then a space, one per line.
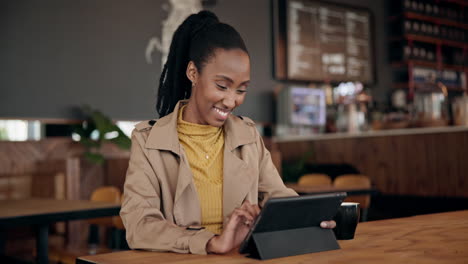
235, 62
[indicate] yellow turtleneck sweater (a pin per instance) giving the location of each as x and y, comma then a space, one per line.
204, 145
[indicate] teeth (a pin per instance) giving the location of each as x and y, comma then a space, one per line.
222, 113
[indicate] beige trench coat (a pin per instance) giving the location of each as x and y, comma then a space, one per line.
160, 208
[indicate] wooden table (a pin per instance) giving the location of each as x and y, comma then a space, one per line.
42, 212
436, 238
301, 189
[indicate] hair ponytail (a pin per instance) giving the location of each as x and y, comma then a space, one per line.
194, 40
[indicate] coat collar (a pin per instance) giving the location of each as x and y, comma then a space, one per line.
164, 136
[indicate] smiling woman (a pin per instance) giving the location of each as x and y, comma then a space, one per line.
197, 175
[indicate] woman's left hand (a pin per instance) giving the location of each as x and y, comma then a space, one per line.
328, 224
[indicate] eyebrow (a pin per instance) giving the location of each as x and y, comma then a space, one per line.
230, 80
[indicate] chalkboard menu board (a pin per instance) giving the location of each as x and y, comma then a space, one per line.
319, 41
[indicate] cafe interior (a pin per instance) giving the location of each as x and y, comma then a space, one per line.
365, 97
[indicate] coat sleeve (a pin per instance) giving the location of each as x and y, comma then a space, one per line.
270, 182
145, 224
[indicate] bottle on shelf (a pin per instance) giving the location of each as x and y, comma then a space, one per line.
407, 4
429, 29
406, 52
435, 10
430, 55
407, 26
421, 8
423, 28
436, 31
415, 53
416, 27
414, 6
428, 9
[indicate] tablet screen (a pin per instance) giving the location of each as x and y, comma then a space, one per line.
294, 212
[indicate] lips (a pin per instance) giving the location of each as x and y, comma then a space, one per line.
221, 113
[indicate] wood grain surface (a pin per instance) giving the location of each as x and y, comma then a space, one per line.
436, 238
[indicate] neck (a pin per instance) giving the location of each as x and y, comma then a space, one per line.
189, 114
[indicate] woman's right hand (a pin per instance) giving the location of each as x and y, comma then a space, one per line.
236, 229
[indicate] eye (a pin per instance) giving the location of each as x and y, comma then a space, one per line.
221, 87
241, 91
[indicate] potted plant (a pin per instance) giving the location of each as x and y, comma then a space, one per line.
96, 130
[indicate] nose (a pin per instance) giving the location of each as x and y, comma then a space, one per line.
229, 101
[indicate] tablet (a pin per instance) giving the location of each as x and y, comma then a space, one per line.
293, 213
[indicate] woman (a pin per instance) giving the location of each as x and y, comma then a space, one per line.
196, 175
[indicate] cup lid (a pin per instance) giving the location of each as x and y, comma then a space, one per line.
349, 204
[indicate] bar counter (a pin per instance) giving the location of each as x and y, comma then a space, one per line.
371, 133
430, 162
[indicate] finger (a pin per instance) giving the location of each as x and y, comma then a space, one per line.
247, 207
234, 225
245, 213
239, 216
250, 208
254, 208
328, 224
257, 209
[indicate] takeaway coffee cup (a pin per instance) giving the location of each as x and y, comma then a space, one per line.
346, 220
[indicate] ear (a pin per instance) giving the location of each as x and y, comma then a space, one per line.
192, 72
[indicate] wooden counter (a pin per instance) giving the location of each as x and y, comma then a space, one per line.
437, 238
375, 133
420, 161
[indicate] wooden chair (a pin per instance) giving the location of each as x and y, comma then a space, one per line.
356, 181
68, 255
119, 239
314, 179
108, 194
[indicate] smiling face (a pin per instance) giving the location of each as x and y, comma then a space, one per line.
218, 88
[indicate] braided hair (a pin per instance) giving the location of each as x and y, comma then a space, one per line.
196, 39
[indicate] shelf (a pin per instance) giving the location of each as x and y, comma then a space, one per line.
436, 41
429, 64
435, 20
418, 86
430, 19
431, 40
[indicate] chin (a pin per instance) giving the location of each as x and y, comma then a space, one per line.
217, 123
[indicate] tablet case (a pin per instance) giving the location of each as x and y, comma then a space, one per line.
271, 240
276, 244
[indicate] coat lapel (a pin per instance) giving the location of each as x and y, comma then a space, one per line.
238, 176
186, 204
236, 182
164, 136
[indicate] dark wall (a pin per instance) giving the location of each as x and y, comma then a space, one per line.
59, 54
